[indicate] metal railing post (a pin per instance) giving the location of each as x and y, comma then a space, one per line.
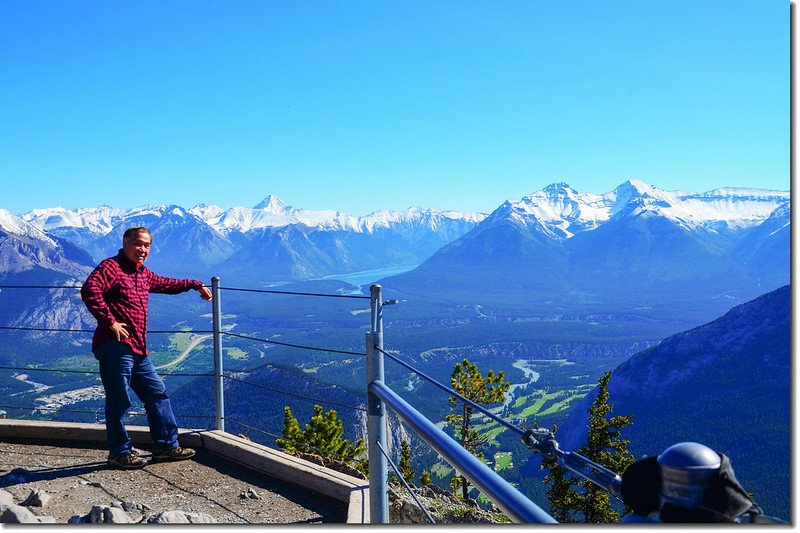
376, 416
219, 395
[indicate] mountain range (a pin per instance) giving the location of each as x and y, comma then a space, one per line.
635, 249
615, 270
268, 242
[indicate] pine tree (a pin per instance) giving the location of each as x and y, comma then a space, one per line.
425, 478
561, 491
470, 383
292, 434
323, 436
406, 470
571, 498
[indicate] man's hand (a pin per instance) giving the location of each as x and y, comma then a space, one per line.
205, 294
120, 331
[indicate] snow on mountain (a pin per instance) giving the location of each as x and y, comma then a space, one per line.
747, 206
10, 223
157, 211
274, 205
636, 247
98, 220
26, 250
412, 216
563, 211
273, 212
206, 212
558, 211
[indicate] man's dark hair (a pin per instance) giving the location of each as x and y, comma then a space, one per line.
131, 233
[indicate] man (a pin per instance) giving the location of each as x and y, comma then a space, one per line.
116, 294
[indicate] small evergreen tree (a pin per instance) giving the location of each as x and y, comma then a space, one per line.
292, 434
323, 435
455, 483
470, 383
425, 478
561, 490
572, 499
405, 463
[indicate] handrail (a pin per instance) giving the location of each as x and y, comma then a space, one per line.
478, 407
512, 502
508, 499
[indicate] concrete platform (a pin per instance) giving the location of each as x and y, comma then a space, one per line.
218, 452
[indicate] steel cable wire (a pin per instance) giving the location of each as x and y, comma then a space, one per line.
41, 408
447, 389
180, 374
67, 330
96, 413
405, 484
56, 370
237, 289
40, 286
314, 348
257, 385
323, 295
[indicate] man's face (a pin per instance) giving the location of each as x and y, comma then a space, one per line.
137, 248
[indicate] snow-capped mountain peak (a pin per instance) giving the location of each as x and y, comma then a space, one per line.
637, 196
97, 220
561, 211
206, 212
273, 204
17, 226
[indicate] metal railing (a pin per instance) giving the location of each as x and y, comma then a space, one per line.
379, 396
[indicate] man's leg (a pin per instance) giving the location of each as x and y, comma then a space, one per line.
116, 361
147, 385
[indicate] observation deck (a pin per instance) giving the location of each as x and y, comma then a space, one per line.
231, 479
361, 501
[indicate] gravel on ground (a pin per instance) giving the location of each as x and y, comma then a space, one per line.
76, 477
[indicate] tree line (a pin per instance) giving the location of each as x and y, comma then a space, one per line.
571, 499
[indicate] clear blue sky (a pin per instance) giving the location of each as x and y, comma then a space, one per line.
359, 105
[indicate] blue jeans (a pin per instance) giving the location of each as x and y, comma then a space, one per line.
120, 369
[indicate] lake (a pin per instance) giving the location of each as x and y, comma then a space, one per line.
368, 277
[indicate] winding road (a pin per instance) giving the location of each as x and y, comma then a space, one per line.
196, 340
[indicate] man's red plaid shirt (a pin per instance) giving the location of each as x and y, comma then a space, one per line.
118, 291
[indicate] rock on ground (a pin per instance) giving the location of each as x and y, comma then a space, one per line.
16, 514
443, 506
180, 517
101, 514
206, 484
11, 513
37, 498
6, 498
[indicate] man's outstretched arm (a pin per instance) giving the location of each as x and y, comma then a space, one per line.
165, 285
